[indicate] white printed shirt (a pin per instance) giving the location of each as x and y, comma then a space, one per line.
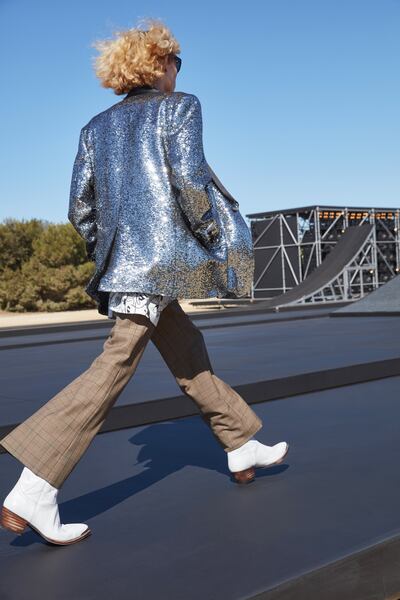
150, 305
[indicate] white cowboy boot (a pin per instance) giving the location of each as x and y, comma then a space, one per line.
242, 460
33, 502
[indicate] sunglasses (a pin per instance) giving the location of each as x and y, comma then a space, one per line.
178, 62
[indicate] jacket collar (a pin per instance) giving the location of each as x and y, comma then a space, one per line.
141, 89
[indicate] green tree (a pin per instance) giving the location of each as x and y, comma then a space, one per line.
44, 267
16, 239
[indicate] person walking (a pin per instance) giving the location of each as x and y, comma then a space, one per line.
140, 198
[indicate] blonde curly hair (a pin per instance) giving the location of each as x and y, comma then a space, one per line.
135, 57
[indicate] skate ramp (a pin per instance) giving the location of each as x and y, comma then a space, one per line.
344, 252
383, 301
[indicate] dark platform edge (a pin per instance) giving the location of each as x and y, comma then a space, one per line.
174, 407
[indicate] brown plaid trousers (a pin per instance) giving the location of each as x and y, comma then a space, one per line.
52, 440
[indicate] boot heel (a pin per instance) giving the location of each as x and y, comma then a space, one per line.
245, 476
11, 521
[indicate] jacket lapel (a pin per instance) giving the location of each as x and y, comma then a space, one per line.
221, 186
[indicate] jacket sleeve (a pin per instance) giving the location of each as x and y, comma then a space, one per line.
82, 208
189, 170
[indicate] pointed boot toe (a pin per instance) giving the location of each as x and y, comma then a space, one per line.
33, 502
267, 456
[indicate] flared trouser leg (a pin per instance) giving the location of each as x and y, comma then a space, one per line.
181, 344
52, 440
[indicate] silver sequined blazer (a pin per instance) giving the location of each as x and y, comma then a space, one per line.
145, 201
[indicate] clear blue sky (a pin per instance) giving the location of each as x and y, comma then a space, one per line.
300, 98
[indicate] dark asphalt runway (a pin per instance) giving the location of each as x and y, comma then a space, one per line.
168, 521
